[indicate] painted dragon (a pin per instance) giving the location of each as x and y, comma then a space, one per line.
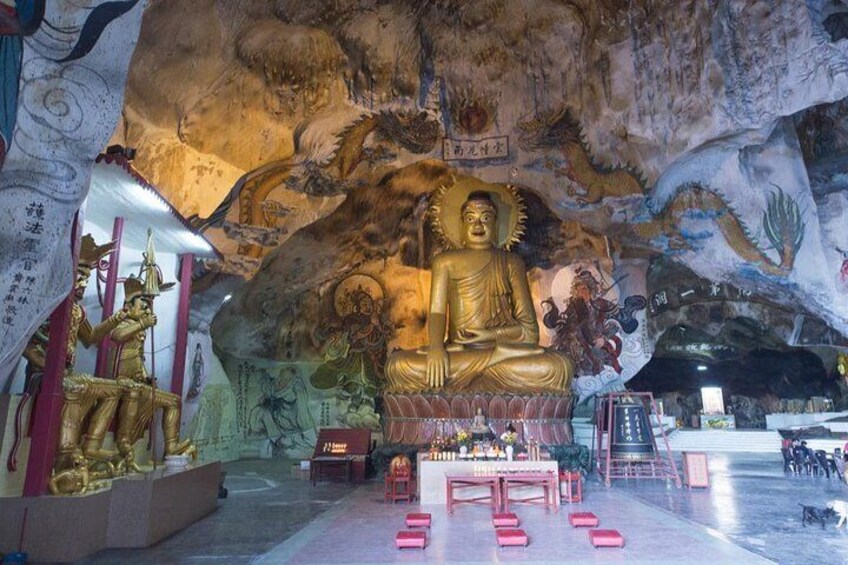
782, 224
416, 132
559, 129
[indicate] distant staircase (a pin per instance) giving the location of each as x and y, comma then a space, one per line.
750, 441
740, 441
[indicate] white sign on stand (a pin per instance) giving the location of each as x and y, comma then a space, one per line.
712, 399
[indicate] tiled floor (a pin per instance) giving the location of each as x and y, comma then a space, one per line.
754, 504
361, 530
265, 506
750, 515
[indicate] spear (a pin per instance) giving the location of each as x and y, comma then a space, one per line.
151, 275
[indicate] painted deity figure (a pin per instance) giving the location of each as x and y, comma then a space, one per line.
197, 374
591, 333
480, 295
85, 396
142, 398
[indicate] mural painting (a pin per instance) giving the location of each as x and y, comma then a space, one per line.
782, 226
281, 404
282, 413
18, 19
354, 350
602, 328
198, 375
255, 210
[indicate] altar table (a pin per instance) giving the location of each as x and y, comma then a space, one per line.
431, 476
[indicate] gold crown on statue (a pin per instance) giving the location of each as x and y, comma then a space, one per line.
90, 253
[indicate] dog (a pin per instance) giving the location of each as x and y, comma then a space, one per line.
841, 508
812, 514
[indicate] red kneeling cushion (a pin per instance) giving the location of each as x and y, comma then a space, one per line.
606, 538
578, 519
417, 520
410, 539
505, 520
511, 537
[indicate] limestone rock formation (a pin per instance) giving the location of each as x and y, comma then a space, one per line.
308, 136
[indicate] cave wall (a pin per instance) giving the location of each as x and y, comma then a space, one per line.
308, 138
667, 125
305, 341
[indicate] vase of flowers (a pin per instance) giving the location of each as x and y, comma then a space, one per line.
463, 438
509, 438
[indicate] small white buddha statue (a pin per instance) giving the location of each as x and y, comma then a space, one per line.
479, 428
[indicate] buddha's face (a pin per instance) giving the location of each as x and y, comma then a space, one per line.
479, 224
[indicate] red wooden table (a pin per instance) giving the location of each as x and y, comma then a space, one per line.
549, 482
459, 482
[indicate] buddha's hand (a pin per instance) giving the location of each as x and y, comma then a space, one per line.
437, 366
476, 335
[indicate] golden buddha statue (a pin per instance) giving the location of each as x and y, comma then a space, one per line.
480, 295
84, 395
142, 398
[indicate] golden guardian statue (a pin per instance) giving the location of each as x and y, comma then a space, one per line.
85, 396
142, 398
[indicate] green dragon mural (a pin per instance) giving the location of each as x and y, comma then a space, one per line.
783, 226
592, 182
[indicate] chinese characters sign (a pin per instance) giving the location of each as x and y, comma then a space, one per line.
335, 448
475, 149
703, 291
18, 293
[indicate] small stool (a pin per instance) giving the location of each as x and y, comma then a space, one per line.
582, 519
511, 537
505, 520
417, 520
405, 539
606, 538
571, 486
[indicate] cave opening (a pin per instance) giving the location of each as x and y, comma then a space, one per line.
755, 383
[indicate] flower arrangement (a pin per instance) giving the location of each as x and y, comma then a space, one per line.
463, 437
509, 438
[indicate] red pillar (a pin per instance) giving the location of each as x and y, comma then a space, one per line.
101, 367
48, 405
178, 371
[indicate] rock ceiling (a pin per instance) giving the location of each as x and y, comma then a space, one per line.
305, 136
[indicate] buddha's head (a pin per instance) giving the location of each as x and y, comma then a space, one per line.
479, 221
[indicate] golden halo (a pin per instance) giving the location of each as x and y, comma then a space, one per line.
346, 290
446, 217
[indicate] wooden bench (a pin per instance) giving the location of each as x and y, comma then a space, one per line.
547, 481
